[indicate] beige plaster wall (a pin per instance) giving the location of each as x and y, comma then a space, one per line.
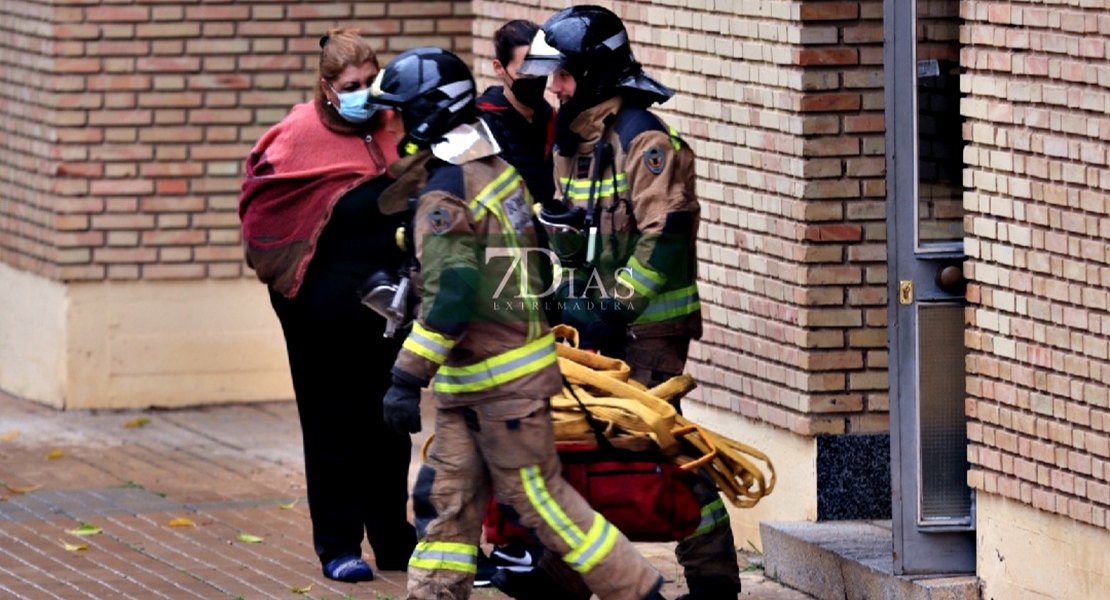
137, 344
794, 457
1033, 555
32, 336
173, 343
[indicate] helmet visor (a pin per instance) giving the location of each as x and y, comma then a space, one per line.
377, 96
542, 59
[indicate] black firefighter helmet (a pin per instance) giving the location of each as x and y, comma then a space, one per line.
432, 88
591, 43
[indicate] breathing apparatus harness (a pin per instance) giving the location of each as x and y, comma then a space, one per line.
584, 222
389, 294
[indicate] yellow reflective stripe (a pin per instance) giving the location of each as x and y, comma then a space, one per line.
579, 189
713, 515
495, 207
548, 509
428, 344
489, 199
494, 192
676, 141
583, 185
499, 369
671, 305
599, 541
642, 279
604, 189
450, 556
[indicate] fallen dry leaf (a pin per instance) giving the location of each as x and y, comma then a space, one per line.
249, 539
74, 547
27, 489
288, 506
303, 590
182, 522
9, 436
136, 423
84, 529
54, 454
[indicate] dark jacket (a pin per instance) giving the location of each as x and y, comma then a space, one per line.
524, 145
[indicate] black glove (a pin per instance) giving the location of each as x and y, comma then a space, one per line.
578, 313
599, 326
401, 407
615, 314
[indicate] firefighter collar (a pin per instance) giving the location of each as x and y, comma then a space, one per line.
411, 177
591, 123
466, 143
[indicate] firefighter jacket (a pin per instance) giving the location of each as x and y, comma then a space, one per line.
480, 331
647, 212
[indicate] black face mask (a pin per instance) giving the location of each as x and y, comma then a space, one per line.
529, 91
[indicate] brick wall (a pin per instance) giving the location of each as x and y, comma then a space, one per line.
1038, 119
124, 125
26, 217
783, 103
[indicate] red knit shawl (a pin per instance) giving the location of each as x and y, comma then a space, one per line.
295, 174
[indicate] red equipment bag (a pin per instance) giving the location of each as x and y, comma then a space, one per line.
646, 496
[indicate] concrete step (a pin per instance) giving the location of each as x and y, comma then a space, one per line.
850, 560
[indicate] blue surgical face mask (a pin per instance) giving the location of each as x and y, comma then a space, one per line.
352, 105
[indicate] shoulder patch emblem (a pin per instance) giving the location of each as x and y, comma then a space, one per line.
655, 159
439, 220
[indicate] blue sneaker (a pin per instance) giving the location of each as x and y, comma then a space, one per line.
349, 568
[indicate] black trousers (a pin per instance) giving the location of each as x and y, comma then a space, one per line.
356, 468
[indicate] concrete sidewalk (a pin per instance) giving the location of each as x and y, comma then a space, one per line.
230, 470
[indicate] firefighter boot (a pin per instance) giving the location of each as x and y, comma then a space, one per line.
536, 584
711, 588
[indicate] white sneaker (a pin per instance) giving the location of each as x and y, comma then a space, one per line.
516, 559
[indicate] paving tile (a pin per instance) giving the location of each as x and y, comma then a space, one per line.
23, 589
226, 468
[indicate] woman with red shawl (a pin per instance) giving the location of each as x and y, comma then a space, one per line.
314, 232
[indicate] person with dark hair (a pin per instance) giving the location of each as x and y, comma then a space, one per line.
314, 233
494, 370
624, 227
523, 123
517, 112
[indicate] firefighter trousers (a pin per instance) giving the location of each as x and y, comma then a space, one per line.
708, 556
510, 445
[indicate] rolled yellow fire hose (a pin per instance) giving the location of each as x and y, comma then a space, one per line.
644, 419
630, 413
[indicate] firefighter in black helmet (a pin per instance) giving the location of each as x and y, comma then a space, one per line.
627, 214
494, 369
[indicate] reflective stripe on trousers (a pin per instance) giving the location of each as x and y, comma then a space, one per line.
587, 548
452, 556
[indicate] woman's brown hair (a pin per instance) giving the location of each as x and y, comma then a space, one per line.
339, 49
